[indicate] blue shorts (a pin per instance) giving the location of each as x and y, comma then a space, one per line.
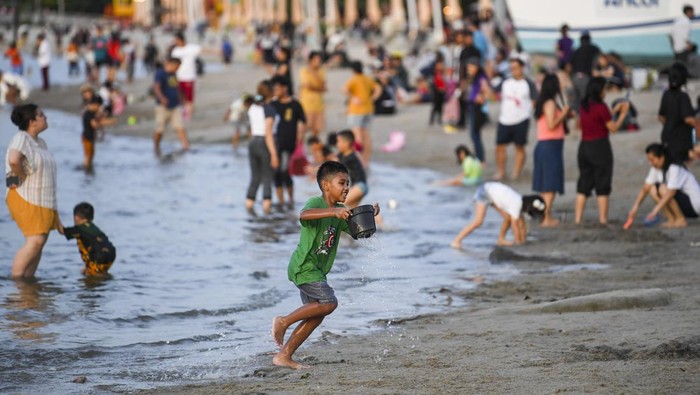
481, 197
363, 187
319, 292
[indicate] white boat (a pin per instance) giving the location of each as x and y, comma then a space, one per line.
637, 28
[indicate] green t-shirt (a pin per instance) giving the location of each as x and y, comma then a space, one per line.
315, 253
471, 168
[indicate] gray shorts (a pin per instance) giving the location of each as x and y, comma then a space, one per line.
319, 292
359, 121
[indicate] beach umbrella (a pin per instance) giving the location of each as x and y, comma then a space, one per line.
397, 11
455, 10
331, 16
373, 12
424, 13
296, 12
350, 12
413, 24
281, 11
438, 33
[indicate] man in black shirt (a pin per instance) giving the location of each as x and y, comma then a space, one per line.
290, 122
582, 62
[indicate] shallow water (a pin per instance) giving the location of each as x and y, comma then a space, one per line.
196, 280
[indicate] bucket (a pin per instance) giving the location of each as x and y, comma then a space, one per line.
361, 222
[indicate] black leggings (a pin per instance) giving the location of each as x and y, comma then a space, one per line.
282, 177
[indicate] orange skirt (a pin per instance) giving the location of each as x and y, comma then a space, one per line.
31, 219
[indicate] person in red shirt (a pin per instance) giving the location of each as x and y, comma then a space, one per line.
595, 156
114, 53
15, 58
439, 86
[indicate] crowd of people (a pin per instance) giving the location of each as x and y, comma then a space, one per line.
457, 82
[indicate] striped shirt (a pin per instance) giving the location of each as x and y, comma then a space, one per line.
39, 188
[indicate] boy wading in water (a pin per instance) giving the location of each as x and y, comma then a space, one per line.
322, 218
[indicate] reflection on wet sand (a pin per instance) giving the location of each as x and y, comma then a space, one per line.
27, 311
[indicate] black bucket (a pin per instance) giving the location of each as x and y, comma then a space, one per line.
361, 222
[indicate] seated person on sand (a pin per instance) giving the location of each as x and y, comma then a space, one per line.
510, 204
471, 169
674, 189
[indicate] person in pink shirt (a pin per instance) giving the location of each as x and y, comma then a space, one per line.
548, 175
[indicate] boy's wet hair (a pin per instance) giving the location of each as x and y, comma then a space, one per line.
534, 206
329, 169
84, 210
347, 135
462, 149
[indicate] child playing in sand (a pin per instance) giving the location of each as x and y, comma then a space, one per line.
237, 114
95, 249
510, 204
322, 218
471, 168
674, 189
346, 155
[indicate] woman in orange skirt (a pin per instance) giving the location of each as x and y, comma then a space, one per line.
31, 193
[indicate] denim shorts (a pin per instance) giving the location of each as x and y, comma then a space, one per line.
480, 196
319, 292
359, 121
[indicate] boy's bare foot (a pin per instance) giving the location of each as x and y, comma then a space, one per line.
456, 245
498, 176
278, 330
281, 360
504, 243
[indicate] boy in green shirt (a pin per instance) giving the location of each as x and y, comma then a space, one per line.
322, 218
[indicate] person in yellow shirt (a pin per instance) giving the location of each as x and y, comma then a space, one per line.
361, 91
313, 85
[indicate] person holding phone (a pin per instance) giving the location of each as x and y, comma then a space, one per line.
31, 188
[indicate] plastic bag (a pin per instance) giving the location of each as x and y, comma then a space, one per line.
298, 161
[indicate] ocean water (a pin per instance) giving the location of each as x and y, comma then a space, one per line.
197, 280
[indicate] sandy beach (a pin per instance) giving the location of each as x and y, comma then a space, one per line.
595, 309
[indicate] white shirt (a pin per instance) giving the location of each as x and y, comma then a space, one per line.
44, 53
256, 115
516, 101
187, 54
681, 33
680, 179
505, 198
238, 112
11, 79
39, 188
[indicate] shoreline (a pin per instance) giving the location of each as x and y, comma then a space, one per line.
502, 341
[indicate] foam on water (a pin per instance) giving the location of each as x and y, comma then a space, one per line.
196, 279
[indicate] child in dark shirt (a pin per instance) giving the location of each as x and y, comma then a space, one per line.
93, 121
95, 248
347, 156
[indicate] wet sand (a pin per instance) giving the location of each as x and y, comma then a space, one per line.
516, 336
